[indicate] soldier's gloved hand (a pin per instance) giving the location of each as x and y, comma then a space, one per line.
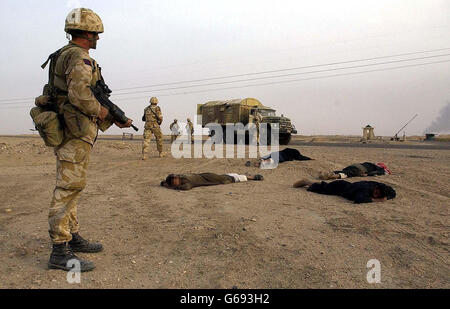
124, 125
103, 113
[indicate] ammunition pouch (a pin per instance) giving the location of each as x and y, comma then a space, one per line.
48, 125
75, 121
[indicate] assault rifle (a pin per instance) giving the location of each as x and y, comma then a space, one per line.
102, 92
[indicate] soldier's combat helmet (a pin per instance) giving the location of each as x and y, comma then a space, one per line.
154, 100
82, 19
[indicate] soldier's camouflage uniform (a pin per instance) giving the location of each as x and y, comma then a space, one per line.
75, 72
190, 130
152, 114
257, 121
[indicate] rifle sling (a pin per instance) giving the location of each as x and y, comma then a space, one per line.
157, 117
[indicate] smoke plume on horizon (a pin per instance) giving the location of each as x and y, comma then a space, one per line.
442, 123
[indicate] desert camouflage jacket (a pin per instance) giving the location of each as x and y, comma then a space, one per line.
75, 72
153, 115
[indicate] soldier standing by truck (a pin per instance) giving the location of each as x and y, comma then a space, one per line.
190, 130
153, 119
257, 118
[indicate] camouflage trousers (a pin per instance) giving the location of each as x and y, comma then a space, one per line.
72, 160
191, 137
148, 137
257, 133
173, 137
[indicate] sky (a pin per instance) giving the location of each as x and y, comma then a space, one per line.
169, 42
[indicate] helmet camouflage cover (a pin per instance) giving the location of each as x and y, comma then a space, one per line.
154, 100
82, 19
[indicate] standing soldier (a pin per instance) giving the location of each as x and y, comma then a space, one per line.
153, 119
190, 130
72, 72
257, 118
175, 128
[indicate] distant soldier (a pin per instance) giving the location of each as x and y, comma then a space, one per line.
153, 119
257, 118
175, 128
190, 130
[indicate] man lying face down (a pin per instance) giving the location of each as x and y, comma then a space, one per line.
358, 170
359, 192
189, 181
272, 160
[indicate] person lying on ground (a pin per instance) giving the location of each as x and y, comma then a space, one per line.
359, 192
288, 154
358, 170
189, 181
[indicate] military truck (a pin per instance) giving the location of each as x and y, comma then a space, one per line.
242, 111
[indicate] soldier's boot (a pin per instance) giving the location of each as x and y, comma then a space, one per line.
162, 154
144, 157
61, 256
79, 244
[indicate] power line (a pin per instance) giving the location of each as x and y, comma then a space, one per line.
14, 107
267, 77
284, 50
290, 81
283, 75
24, 100
275, 82
281, 70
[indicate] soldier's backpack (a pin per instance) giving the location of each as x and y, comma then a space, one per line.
48, 125
45, 115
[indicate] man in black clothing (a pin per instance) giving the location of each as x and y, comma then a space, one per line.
358, 170
359, 192
288, 154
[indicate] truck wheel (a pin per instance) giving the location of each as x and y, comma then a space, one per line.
285, 139
224, 130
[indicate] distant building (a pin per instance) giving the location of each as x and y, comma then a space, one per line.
368, 133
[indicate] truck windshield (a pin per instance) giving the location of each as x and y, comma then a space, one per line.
267, 112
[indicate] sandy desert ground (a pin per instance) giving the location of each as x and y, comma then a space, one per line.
248, 235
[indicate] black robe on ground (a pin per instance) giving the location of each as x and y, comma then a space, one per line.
288, 154
358, 169
359, 192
